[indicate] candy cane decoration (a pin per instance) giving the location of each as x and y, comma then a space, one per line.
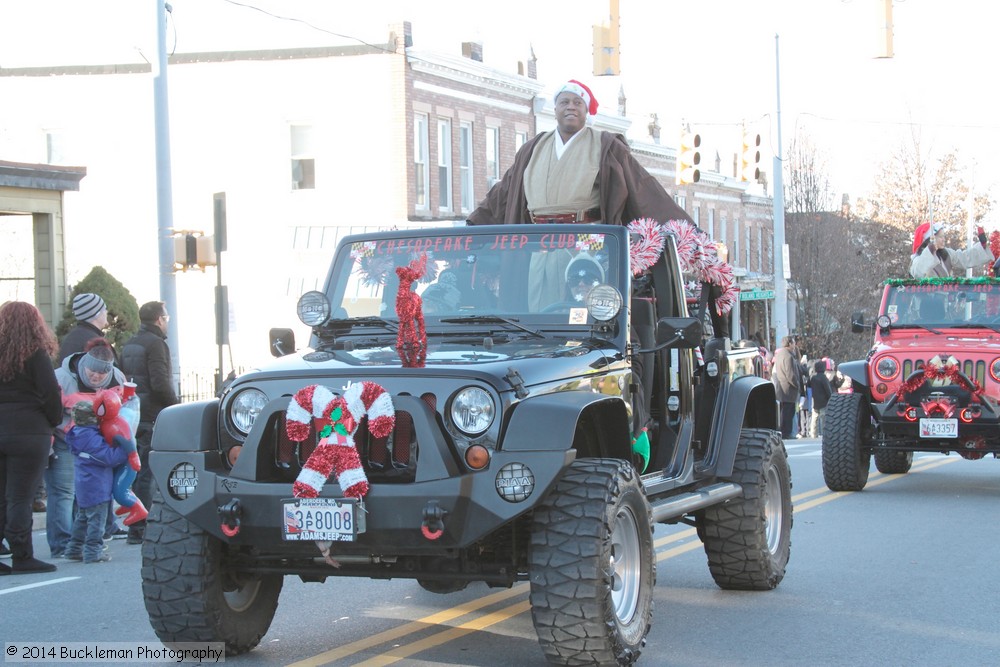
336, 450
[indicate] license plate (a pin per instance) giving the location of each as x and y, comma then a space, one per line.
332, 519
938, 428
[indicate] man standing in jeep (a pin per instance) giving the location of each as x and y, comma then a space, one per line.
576, 174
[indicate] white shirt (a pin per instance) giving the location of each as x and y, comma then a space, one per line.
562, 146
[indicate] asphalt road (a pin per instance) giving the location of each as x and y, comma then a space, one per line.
898, 574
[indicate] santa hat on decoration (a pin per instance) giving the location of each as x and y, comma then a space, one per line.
577, 88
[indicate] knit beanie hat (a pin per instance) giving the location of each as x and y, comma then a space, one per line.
83, 414
86, 306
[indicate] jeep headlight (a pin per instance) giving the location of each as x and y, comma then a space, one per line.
472, 411
886, 368
245, 407
313, 308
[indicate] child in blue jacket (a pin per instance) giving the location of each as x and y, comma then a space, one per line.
94, 477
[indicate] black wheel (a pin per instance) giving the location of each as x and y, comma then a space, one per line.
191, 597
891, 462
748, 540
846, 461
592, 567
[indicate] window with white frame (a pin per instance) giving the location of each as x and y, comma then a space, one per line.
711, 223
681, 201
421, 168
697, 216
303, 157
734, 256
760, 249
520, 139
444, 165
492, 155
748, 244
465, 167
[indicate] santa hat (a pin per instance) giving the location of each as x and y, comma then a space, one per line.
920, 233
577, 88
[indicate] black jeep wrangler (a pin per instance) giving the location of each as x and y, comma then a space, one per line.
514, 453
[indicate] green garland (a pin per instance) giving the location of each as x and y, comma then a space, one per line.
981, 280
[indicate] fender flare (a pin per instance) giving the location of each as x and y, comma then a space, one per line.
549, 422
750, 402
858, 372
186, 427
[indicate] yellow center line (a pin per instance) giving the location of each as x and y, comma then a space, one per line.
439, 618
444, 636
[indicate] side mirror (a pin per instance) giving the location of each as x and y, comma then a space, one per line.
858, 322
683, 332
282, 342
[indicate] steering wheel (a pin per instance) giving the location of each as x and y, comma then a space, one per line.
560, 307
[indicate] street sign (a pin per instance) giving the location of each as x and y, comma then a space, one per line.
756, 294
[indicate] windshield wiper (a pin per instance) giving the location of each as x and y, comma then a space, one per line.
976, 325
914, 325
350, 323
491, 319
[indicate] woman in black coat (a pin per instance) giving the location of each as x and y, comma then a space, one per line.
30, 407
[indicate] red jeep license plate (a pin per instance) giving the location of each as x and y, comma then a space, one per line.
938, 428
333, 519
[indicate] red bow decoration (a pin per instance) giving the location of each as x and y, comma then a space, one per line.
940, 404
942, 372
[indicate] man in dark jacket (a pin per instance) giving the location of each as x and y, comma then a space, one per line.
146, 362
91, 319
821, 390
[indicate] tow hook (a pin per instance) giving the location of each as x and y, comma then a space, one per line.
231, 513
433, 525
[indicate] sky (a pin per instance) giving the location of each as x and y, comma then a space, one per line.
712, 63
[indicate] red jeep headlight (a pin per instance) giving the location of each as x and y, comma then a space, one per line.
995, 370
886, 368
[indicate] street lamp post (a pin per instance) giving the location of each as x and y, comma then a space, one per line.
780, 280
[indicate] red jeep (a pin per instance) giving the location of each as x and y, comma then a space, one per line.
931, 382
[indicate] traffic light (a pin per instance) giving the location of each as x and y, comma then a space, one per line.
750, 157
193, 248
688, 158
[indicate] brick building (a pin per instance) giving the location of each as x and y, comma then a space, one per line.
309, 145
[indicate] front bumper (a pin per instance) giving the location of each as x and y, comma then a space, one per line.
395, 512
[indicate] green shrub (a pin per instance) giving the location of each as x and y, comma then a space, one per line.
123, 309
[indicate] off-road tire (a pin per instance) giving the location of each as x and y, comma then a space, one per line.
846, 461
893, 462
185, 587
592, 567
748, 539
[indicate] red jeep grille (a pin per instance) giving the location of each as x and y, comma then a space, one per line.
974, 370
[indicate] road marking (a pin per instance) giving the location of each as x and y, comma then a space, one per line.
438, 618
445, 635
39, 584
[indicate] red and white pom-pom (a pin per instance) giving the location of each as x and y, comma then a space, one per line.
644, 251
337, 452
690, 245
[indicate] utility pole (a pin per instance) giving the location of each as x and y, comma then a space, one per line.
164, 192
780, 268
